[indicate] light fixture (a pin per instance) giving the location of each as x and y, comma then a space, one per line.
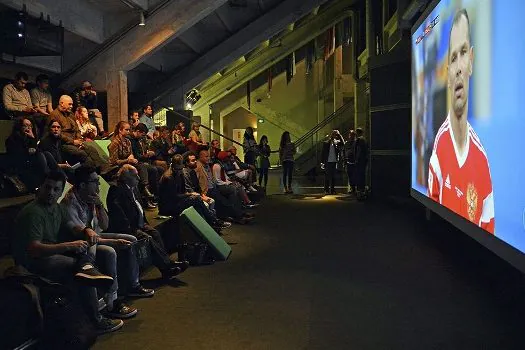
20, 35
142, 19
192, 98
260, 120
188, 105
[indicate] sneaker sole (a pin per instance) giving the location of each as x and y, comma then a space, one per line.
93, 278
149, 295
113, 329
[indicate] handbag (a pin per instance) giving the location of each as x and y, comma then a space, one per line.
12, 186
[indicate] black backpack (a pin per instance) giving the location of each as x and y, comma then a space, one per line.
61, 320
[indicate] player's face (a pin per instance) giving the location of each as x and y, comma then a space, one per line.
459, 66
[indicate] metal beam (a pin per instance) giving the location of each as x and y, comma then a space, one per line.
236, 46
268, 57
140, 42
77, 16
136, 4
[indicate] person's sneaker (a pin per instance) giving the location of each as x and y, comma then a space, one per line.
120, 311
107, 325
141, 292
253, 189
171, 272
88, 274
224, 224
251, 205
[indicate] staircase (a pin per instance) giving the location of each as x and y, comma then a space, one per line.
309, 145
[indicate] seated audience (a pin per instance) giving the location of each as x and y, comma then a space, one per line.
126, 215
139, 147
178, 140
120, 153
52, 143
134, 119
173, 197
227, 201
87, 130
222, 179
147, 119
215, 148
162, 147
195, 136
193, 186
74, 148
31, 164
87, 97
41, 97
17, 102
86, 211
238, 170
40, 249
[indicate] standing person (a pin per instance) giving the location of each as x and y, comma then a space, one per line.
286, 155
330, 155
250, 146
350, 161
361, 157
459, 173
147, 119
264, 161
197, 141
87, 97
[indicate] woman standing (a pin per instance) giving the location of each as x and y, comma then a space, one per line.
197, 141
250, 146
264, 161
286, 155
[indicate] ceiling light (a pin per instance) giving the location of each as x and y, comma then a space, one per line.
142, 19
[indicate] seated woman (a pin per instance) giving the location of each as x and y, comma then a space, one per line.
87, 130
24, 157
178, 140
121, 152
174, 198
197, 141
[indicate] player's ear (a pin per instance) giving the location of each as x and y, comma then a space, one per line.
471, 59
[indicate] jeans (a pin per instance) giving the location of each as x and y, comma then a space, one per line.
160, 258
360, 176
263, 176
329, 176
287, 173
350, 172
119, 263
60, 268
227, 201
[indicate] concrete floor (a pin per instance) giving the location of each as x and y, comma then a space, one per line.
328, 272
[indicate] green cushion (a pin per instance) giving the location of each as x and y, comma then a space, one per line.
207, 233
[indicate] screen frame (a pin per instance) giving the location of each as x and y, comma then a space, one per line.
498, 246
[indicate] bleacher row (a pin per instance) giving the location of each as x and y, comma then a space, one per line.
169, 227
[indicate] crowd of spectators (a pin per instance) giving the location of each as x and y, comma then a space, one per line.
77, 240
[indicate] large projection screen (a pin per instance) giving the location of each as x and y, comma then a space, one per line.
468, 128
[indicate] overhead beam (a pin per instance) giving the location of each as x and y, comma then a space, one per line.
136, 4
140, 42
266, 58
234, 47
77, 16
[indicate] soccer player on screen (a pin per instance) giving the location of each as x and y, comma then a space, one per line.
459, 175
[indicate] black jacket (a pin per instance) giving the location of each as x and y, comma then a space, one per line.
124, 216
172, 189
17, 147
52, 145
326, 151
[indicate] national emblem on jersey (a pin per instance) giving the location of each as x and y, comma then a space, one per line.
472, 202
460, 180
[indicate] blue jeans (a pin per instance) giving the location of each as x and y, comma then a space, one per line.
119, 263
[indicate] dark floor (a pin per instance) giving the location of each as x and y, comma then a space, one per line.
332, 273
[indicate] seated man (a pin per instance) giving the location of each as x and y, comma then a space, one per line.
162, 147
38, 247
238, 170
17, 102
41, 97
222, 179
227, 202
193, 186
126, 215
86, 97
174, 198
85, 209
74, 148
140, 151
52, 143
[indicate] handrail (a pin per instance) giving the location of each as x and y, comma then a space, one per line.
275, 124
109, 42
323, 123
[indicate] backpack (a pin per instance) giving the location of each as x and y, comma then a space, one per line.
61, 321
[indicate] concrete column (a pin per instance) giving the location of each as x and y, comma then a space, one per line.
370, 32
361, 107
338, 78
117, 90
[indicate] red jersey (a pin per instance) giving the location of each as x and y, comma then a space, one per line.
462, 183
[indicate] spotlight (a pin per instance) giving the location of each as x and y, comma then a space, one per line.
142, 19
192, 98
20, 35
188, 105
